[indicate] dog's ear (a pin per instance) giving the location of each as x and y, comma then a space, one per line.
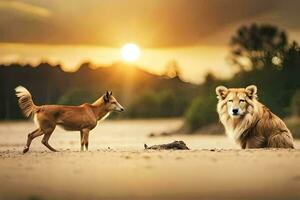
106, 97
251, 91
221, 92
110, 93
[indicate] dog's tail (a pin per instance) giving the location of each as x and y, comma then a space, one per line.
25, 101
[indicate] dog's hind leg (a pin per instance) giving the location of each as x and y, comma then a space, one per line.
255, 142
281, 140
48, 132
86, 143
30, 137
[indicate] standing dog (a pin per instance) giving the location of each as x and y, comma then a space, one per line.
250, 123
81, 118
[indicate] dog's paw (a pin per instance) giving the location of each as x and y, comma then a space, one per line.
26, 149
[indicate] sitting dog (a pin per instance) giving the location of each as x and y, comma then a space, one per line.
81, 118
248, 122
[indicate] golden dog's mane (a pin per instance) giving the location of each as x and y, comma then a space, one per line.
235, 127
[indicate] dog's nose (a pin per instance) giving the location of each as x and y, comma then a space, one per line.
122, 109
235, 111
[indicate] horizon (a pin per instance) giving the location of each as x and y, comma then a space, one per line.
154, 61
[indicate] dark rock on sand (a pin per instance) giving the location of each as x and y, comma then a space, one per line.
176, 145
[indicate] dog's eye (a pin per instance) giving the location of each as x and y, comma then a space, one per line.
242, 100
230, 100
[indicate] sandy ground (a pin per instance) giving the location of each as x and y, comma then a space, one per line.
117, 166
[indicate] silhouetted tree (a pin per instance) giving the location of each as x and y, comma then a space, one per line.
258, 46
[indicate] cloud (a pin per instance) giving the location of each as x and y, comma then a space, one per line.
25, 8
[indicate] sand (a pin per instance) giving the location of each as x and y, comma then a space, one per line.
117, 166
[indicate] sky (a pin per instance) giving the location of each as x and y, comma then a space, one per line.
195, 33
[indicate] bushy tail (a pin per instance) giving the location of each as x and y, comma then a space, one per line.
25, 101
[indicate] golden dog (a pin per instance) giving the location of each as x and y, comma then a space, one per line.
248, 122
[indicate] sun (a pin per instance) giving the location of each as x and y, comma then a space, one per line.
130, 52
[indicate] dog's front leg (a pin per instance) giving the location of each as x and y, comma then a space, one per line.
81, 140
84, 133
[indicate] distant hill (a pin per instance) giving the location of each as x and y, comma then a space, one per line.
51, 85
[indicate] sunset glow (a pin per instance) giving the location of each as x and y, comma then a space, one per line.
130, 52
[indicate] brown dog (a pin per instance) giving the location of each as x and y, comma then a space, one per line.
81, 118
250, 123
